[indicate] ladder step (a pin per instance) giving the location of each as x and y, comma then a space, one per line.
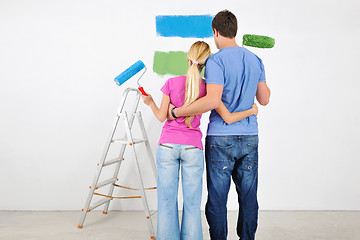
126, 141
106, 182
123, 114
99, 203
112, 161
121, 140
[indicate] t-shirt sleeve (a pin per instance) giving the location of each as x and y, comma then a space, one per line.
213, 72
166, 89
262, 75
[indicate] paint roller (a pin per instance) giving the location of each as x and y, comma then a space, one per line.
258, 41
131, 71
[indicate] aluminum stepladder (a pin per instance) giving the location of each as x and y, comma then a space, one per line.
130, 142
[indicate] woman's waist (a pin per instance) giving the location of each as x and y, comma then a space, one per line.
181, 129
178, 124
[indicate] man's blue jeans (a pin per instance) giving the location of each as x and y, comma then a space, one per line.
169, 158
236, 157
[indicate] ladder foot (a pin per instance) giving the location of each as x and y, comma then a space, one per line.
152, 237
80, 226
104, 212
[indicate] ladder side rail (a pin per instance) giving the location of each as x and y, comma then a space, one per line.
107, 147
147, 144
98, 172
140, 182
123, 146
124, 97
105, 152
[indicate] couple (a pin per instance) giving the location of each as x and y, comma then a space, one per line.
233, 77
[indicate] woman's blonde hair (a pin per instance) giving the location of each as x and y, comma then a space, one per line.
197, 56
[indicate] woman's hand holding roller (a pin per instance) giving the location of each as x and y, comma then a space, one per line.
148, 100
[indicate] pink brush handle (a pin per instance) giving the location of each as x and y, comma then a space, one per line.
141, 89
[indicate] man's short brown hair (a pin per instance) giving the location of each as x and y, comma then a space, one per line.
226, 24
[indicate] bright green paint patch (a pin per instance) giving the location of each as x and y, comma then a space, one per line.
172, 63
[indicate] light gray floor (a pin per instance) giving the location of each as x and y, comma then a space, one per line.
273, 225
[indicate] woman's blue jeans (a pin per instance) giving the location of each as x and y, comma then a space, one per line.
169, 159
236, 157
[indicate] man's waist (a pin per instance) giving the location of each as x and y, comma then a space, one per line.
223, 129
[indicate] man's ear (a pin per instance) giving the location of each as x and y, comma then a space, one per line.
216, 32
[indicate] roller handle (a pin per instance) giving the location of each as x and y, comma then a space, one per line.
141, 89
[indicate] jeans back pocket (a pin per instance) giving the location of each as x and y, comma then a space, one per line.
166, 146
221, 157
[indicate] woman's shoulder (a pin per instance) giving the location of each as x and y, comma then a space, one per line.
177, 80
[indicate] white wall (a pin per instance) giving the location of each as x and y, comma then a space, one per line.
58, 99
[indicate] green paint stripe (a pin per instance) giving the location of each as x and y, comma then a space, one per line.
172, 63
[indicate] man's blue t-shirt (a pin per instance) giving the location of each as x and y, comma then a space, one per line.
239, 71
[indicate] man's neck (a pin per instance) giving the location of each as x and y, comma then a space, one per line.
228, 42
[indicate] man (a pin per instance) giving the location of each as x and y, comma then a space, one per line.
235, 76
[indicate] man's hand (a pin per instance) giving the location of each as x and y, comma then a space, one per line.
169, 116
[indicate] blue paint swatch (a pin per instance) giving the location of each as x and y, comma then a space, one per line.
196, 26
